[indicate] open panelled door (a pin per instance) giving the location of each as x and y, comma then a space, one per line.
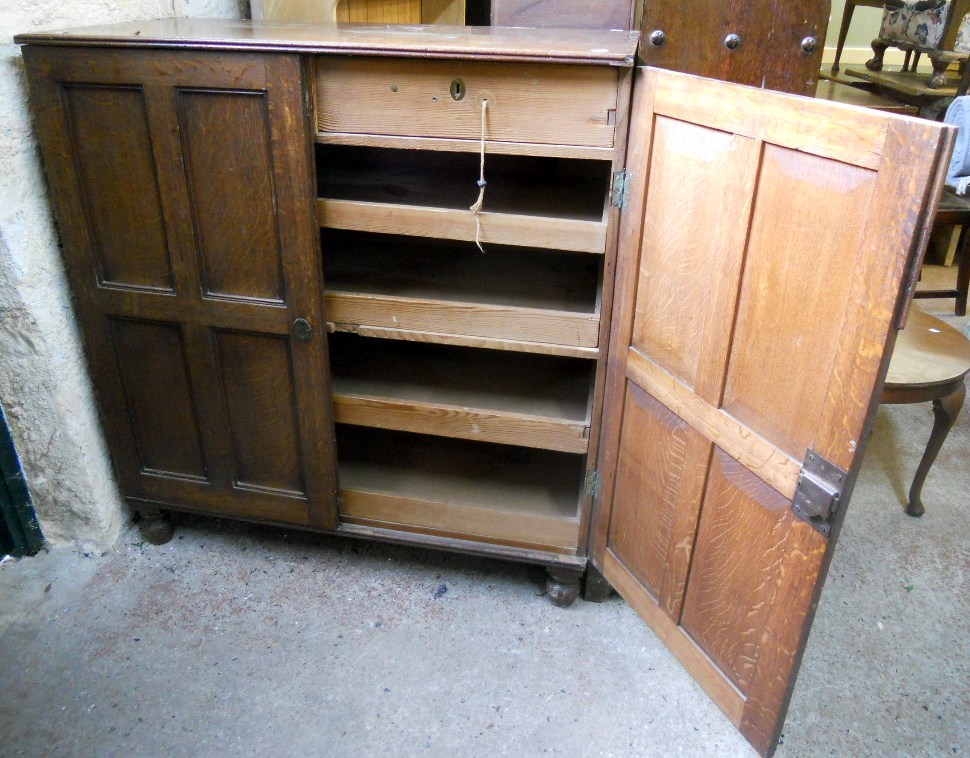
764, 256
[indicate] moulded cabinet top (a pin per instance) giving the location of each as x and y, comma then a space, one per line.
614, 48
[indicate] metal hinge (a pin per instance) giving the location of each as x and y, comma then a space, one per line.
620, 193
593, 484
818, 493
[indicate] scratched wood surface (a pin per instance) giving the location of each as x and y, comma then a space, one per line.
787, 316
537, 104
505, 494
191, 246
582, 46
516, 399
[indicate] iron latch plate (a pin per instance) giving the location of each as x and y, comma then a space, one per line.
593, 484
620, 193
818, 493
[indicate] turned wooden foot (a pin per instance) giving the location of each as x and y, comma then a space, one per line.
879, 49
155, 526
945, 412
595, 587
562, 585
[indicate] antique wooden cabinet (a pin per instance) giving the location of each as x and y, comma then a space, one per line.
654, 360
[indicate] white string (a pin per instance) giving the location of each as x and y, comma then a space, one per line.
476, 207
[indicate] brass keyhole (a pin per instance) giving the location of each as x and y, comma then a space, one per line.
458, 90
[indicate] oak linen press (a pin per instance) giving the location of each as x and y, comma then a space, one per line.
657, 372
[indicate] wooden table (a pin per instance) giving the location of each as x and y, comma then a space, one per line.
929, 363
954, 210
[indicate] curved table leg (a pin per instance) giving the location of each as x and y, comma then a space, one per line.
945, 412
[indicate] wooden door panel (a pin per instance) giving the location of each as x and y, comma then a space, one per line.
239, 249
694, 38
202, 159
777, 377
260, 395
799, 243
112, 146
699, 205
164, 424
771, 52
738, 552
655, 504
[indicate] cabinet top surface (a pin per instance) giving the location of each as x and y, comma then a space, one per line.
616, 48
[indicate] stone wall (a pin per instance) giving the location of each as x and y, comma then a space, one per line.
44, 387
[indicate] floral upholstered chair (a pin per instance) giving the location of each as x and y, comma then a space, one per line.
921, 26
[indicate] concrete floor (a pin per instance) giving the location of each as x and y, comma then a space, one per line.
237, 640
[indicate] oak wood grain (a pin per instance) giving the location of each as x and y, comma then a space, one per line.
600, 47
755, 571
198, 105
539, 104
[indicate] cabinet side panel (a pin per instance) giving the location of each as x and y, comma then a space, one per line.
112, 148
155, 379
257, 382
231, 192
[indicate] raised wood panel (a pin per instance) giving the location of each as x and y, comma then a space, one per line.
699, 206
543, 104
260, 397
231, 192
645, 500
737, 561
112, 148
151, 362
778, 377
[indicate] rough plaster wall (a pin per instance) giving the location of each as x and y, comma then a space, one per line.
44, 387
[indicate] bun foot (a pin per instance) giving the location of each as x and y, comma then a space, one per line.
155, 526
562, 585
595, 589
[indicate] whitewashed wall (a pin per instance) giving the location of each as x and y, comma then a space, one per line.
43, 377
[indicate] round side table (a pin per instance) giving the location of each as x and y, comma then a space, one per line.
929, 363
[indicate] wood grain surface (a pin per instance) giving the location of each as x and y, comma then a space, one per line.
789, 347
538, 104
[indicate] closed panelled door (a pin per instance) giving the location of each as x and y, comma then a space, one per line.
776, 45
760, 270
183, 193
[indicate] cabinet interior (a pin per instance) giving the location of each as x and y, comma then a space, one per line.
505, 397
521, 184
497, 493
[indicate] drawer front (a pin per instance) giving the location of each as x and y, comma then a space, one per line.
534, 103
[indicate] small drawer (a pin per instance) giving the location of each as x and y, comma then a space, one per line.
533, 103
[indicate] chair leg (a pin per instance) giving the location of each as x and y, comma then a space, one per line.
879, 49
945, 412
843, 32
938, 79
907, 59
